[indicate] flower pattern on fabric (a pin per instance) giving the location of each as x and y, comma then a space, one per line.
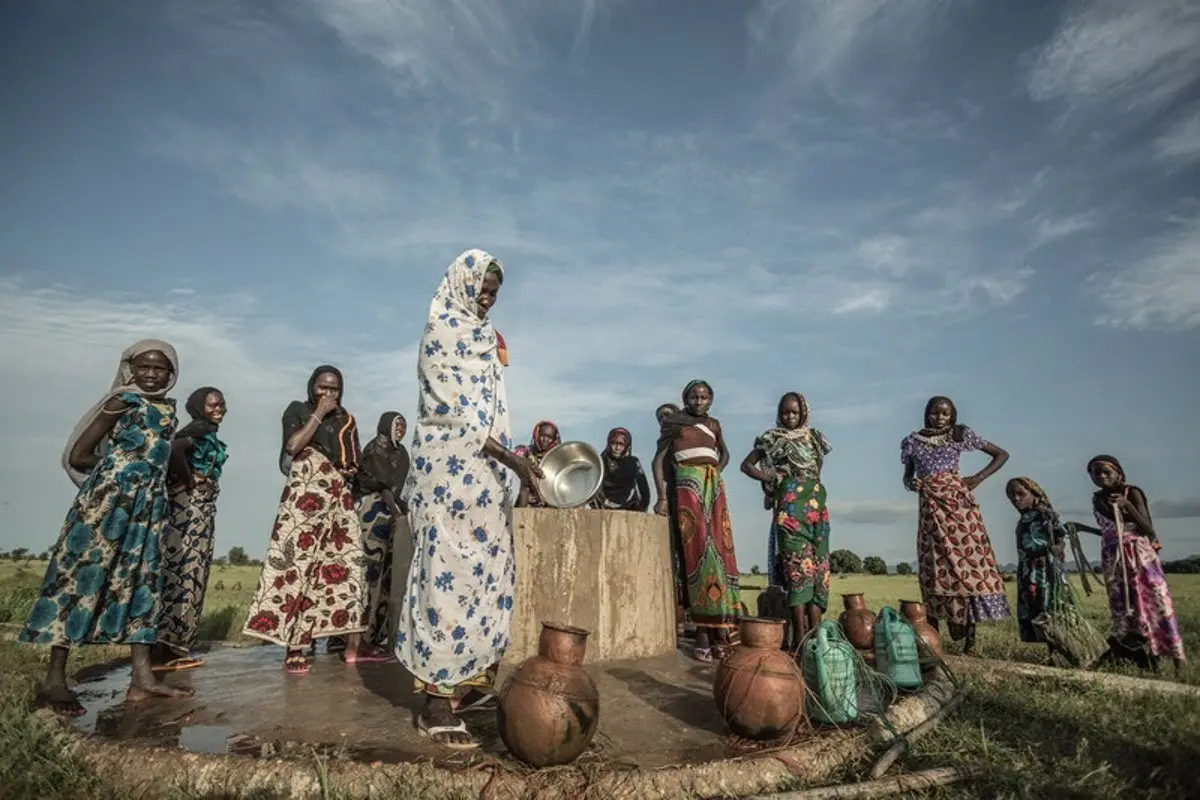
801, 530
312, 583
457, 610
376, 523
931, 455
1130, 560
102, 583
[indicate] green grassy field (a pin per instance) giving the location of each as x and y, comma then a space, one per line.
1032, 738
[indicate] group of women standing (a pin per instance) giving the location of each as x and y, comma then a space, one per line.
132, 558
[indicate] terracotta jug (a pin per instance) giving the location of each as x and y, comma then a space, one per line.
759, 689
931, 653
550, 709
858, 622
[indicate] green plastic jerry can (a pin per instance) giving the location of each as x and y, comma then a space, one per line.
830, 665
896, 652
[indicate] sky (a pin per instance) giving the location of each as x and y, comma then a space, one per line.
869, 202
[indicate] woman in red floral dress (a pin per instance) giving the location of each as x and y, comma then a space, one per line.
312, 583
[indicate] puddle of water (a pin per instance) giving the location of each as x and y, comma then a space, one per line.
212, 739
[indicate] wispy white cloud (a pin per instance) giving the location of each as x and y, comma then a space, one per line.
1049, 228
1162, 289
1113, 57
1182, 140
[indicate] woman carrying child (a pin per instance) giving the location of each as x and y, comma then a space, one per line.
198, 457
956, 563
312, 585
102, 583
1138, 598
692, 441
787, 461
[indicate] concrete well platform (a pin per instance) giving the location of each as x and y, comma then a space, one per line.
253, 731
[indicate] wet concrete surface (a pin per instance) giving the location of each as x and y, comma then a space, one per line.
652, 712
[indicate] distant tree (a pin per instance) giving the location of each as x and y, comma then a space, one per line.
44, 555
904, 568
755, 570
220, 561
874, 565
254, 562
19, 553
844, 561
237, 557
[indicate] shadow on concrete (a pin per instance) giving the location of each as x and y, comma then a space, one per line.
690, 706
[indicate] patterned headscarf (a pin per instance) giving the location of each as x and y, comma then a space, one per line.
123, 382
1110, 461
1041, 500
799, 398
534, 449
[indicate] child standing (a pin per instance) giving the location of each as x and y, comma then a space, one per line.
1138, 597
1041, 575
103, 581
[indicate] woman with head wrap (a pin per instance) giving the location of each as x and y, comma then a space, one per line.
955, 560
1138, 597
625, 487
102, 584
787, 461
312, 585
380, 482
545, 438
198, 457
457, 612
693, 442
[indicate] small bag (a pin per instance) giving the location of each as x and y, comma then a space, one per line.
830, 673
896, 653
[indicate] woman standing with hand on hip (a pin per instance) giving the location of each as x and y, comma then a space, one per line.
955, 560
457, 610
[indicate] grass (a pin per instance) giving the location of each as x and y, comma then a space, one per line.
1033, 738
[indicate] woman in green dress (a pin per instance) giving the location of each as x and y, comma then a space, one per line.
103, 581
787, 460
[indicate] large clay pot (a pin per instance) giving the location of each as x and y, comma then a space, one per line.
914, 612
550, 709
758, 688
858, 622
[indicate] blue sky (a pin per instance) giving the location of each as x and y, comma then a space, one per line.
869, 202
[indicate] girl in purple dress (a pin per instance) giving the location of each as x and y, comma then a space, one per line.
956, 563
1142, 612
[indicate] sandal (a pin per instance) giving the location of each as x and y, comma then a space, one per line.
178, 664
433, 731
703, 654
296, 664
68, 708
372, 656
479, 701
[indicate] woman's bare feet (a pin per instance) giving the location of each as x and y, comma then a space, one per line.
437, 721
143, 684
59, 699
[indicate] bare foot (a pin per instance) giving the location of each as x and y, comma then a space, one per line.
139, 692
59, 699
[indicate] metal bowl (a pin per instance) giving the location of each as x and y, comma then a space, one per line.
574, 472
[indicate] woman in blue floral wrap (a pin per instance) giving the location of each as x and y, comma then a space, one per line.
102, 583
457, 611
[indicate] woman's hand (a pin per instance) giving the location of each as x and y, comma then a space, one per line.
662, 508
528, 471
971, 481
326, 405
916, 485
1123, 504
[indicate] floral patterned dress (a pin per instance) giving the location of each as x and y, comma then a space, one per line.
187, 545
457, 610
312, 584
800, 524
102, 583
1041, 575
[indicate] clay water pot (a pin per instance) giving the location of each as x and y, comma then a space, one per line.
758, 687
549, 709
914, 612
858, 622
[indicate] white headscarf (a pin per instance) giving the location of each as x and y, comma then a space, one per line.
123, 382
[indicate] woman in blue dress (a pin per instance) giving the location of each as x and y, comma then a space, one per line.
102, 583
